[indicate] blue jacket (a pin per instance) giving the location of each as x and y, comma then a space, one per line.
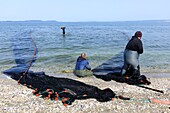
82, 64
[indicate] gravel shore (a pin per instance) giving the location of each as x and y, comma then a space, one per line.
16, 98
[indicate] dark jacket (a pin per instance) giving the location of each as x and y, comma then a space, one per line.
135, 44
82, 64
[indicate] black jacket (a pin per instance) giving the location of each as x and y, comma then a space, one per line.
135, 44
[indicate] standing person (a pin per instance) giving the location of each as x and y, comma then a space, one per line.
63, 29
82, 67
131, 54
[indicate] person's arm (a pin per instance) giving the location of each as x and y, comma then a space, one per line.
88, 66
140, 47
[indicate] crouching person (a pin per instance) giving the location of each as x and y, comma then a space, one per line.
82, 68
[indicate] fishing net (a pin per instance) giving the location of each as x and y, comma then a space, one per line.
24, 51
48, 87
111, 70
64, 89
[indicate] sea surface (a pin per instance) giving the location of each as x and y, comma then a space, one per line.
99, 40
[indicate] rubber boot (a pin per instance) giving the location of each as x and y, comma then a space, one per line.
136, 74
126, 71
138, 69
123, 71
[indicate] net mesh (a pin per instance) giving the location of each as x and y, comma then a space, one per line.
48, 87
55, 88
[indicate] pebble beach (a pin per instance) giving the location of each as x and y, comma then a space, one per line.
16, 98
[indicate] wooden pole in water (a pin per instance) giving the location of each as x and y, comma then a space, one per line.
63, 28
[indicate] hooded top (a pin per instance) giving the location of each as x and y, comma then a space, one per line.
135, 44
82, 64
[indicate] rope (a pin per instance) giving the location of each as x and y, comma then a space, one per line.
160, 101
160, 91
149, 100
33, 57
128, 38
131, 99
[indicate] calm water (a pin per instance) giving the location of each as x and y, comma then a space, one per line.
99, 40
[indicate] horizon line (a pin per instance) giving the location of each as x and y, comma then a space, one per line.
81, 21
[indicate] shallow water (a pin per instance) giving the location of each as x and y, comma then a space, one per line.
99, 40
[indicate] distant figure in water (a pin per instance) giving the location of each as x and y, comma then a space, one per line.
82, 68
131, 55
63, 29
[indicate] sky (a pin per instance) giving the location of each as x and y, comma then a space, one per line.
84, 10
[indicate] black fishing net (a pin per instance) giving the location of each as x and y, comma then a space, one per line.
48, 87
111, 70
64, 89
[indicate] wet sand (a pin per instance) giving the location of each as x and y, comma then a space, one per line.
16, 98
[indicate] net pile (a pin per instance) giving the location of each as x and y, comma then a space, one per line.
48, 87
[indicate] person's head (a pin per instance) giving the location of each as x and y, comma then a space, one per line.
83, 55
138, 34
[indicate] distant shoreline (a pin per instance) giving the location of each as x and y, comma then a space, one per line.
166, 20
